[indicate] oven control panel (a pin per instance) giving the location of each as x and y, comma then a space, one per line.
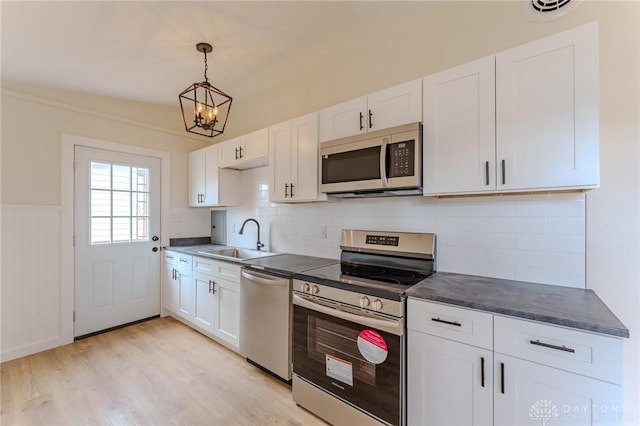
363, 301
382, 240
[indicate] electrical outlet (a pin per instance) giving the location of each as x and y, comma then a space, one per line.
177, 217
323, 231
233, 228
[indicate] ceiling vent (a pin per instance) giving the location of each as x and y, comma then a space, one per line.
548, 10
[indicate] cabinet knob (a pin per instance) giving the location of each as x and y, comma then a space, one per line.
305, 287
315, 289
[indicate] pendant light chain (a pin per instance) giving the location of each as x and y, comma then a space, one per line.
206, 67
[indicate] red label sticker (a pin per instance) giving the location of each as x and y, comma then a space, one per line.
372, 346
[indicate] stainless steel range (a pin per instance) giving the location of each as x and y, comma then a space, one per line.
348, 328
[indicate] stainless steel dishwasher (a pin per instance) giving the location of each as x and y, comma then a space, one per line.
265, 321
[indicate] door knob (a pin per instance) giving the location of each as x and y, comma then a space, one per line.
155, 249
154, 238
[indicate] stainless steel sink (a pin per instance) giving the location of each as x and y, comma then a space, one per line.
237, 253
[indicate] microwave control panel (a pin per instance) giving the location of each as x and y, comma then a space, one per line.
401, 159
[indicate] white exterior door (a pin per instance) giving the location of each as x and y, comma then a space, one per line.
117, 219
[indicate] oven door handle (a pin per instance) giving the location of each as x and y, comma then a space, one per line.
390, 326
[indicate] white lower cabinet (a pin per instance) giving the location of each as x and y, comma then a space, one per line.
528, 393
532, 373
207, 296
177, 284
449, 383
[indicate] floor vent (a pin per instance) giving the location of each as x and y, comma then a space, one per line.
548, 10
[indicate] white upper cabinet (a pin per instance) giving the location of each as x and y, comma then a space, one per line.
208, 184
459, 138
397, 105
246, 151
293, 160
538, 132
547, 112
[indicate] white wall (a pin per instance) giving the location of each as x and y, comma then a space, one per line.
527, 238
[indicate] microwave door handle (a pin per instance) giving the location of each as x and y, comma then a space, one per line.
383, 162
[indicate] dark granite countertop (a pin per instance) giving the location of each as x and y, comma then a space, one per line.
570, 307
283, 263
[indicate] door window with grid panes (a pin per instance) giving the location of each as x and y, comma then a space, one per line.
119, 203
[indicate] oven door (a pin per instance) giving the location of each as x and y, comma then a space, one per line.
355, 357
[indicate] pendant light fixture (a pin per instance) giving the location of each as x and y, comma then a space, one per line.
205, 109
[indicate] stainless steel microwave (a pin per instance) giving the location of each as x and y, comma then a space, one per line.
381, 163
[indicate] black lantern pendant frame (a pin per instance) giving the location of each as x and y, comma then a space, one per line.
205, 109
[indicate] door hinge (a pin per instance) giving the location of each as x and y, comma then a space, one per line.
74, 240
74, 316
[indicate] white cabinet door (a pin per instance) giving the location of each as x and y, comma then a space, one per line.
305, 151
197, 176
459, 129
449, 383
227, 311
345, 119
210, 186
547, 112
528, 393
245, 152
281, 162
397, 105
293, 160
204, 301
185, 294
170, 289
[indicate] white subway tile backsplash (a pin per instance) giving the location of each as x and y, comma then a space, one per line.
538, 238
532, 225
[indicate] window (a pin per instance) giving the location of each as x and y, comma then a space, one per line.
119, 203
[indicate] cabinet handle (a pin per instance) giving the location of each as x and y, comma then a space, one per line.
169, 257
456, 323
292, 190
361, 117
240, 152
549, 345
502, 377
175, 277
286, 190
183, 261
504, 174
482, 371
213, 287
370, 119
236, 152
486, 172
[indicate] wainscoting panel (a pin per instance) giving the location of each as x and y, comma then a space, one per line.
31, 287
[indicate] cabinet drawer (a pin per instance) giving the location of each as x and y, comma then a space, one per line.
459, 324
170, 258
227, 270
184, 262
580, 352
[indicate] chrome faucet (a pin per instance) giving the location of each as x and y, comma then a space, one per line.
259, 245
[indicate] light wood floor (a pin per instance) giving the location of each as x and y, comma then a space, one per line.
159, 372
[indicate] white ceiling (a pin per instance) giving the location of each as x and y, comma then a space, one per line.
146, 50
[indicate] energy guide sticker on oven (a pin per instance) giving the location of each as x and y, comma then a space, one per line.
339, 369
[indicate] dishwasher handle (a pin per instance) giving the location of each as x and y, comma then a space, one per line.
265, 279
